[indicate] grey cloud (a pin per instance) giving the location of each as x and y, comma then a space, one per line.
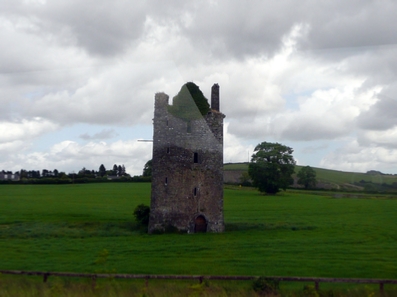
378, 64
67, 109
257, 27
314, 129
120, 93
294, 126
341, 24
221, 28
241, 29
314, 149
100, 27
380, 116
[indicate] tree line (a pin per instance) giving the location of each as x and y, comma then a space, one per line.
117, 173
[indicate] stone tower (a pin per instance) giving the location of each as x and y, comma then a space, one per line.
187, 170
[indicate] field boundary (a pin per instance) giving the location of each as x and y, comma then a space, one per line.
200, 278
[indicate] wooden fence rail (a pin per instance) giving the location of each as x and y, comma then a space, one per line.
200, 278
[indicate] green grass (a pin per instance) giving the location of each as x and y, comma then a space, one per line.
341, 177
68, 227
235, 166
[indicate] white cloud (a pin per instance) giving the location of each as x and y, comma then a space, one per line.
356, 158
326, 114
386, 138
25, 129
233, 150
11, 147
71, 156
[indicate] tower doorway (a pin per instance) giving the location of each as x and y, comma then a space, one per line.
200, 224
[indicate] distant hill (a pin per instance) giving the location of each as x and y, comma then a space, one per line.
330, 179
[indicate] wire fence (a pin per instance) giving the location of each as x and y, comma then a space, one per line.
200, 278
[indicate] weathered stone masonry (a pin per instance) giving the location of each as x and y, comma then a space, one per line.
187, 170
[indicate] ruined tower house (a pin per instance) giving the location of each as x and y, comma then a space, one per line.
187, 169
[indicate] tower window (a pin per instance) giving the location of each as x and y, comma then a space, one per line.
195, 158
166, 181
195, 191
168, 150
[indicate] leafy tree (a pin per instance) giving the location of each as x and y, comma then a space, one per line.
271, 167
123, 172
33, 174
190, 103
147, 170
102, 170
307, 177
141, 214
114, 170
82, 172
23, 173
62, 175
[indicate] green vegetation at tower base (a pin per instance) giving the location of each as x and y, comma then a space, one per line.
67, 228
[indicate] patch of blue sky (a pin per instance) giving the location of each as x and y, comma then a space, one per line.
311, 153
293, 99
34, 95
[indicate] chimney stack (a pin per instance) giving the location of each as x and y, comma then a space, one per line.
215, 97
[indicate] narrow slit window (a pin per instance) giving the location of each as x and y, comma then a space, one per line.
195, 191
166, 181
168, 150
195, 158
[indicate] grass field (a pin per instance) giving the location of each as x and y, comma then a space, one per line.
70, 228
329, 176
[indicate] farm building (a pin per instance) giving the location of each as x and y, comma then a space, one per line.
187, 168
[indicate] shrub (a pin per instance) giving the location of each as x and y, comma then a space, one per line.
265, 286
310, 291
141, 214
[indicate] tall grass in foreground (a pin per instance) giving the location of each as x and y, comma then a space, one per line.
33, 287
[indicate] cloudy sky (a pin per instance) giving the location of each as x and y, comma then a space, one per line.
78, 78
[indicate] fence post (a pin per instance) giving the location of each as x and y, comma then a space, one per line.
201, 279
381, 288
146, 282
93, 281
317, 286
45, 277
